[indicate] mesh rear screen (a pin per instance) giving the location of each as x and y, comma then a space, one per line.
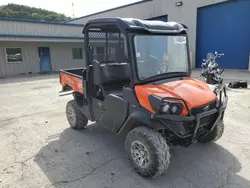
107, 47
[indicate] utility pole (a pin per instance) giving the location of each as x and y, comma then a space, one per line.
73, 10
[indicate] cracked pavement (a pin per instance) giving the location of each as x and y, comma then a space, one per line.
38, 149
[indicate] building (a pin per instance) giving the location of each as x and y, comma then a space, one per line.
28, 46
214, 25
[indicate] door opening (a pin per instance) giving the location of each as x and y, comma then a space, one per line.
44, 58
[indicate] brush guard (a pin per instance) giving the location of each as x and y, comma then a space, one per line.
178, 124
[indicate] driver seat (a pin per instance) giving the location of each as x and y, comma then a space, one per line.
110, 77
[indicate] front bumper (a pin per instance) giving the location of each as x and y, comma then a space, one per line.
187, 126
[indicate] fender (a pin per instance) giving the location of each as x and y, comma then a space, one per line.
79, 98
138, 118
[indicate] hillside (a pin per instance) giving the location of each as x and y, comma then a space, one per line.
26, 12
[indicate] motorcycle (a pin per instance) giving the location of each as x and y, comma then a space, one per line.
210, 69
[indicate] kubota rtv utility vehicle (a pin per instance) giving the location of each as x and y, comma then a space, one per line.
136, 80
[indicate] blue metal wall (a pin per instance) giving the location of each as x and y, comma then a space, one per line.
225, 28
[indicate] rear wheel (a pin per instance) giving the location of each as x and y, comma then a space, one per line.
214, 135
76, 118
148, 152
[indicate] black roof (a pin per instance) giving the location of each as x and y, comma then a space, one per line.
137, 24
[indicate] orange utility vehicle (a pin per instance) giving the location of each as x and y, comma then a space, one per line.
136, 80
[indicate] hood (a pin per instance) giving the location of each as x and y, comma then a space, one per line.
194, 92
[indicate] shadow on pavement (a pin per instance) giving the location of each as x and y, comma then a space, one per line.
94, 157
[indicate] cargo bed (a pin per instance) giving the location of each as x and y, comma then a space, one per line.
71, 79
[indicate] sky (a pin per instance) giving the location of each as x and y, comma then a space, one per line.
81, 7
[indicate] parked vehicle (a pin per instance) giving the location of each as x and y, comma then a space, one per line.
210, 69
125, 92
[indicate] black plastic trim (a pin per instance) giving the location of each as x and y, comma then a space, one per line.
182, 136
114, 112
139, 118
155, 102
78, 97
130, 96
175, 118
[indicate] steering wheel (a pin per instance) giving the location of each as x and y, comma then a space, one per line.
163, 68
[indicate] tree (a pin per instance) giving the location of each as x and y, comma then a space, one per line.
26, 12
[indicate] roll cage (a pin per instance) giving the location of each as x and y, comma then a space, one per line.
127, 28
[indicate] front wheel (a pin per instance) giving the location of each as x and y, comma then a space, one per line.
214, 135
148, 152
76, 118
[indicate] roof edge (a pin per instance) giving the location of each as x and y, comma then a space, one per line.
123, 6
38, 21
40, 36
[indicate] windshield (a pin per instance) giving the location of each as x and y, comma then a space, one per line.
156, 55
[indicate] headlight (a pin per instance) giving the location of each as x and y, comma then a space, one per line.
165, 106
174, 108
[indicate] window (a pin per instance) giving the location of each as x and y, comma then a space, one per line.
160, 54
77, 53
14, 55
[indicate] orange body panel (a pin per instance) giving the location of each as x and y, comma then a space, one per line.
71, 81
194, 92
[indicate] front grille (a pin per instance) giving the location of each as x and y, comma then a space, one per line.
208, 120
203, 108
